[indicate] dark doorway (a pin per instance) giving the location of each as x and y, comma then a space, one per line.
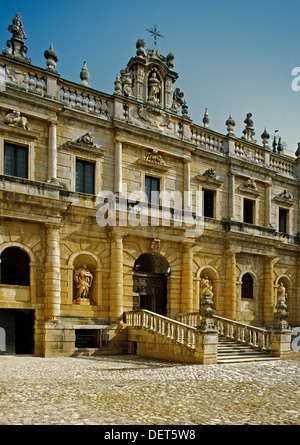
18, 326
150, 283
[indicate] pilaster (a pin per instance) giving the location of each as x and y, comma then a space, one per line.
118, 166
52, 153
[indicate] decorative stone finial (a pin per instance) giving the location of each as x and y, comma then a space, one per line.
184, 109
206, 119
249, 131
230, 123
298, 150
265, 138
51, 57
118, 85
84, 75
15, 44
140, 45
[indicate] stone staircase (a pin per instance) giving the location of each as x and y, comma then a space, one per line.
231, 351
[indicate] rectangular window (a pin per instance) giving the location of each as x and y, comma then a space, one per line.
249, 211
283, 220
152, 187
209, 203
15, 160
85, 177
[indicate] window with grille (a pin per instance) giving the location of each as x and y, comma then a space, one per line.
247, 286
15, 160
85, 177
152, 186
249, 211
283, 220
209, 203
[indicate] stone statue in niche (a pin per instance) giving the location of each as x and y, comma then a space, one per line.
15, 119
281, 293
207, 286
83, 282
154, 89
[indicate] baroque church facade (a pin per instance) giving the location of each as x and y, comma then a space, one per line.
116, 203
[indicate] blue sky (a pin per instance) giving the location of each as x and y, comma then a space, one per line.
232, 56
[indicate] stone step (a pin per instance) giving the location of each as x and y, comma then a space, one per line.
231, 351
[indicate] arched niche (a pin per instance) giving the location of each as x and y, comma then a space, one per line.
90, 262
247, 296
211, 274
283, 280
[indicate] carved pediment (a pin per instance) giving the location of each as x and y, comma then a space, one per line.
285, 198
153, 160
85, 143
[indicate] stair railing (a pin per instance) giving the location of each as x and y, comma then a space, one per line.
166, 327
250, 335
241, 332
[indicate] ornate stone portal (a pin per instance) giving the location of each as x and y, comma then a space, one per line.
83, 281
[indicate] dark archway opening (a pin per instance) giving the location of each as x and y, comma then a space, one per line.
18, 328
15, 268
150, 283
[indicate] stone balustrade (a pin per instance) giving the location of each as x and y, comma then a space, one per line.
205, 140
257, 337
83, 98
166, 327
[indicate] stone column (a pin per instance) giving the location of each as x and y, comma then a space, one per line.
230, 305
52, 153
187, 279
118, 166
116, 278
52, 273
268, 293
231, 196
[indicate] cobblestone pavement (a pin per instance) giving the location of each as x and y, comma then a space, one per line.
128, 390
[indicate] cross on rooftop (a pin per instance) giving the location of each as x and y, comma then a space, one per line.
155, 34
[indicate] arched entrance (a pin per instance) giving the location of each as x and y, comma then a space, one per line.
150, 283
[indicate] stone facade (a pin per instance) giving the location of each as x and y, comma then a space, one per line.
228, 207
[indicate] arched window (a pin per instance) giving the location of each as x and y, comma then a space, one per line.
247, 286
15, 267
